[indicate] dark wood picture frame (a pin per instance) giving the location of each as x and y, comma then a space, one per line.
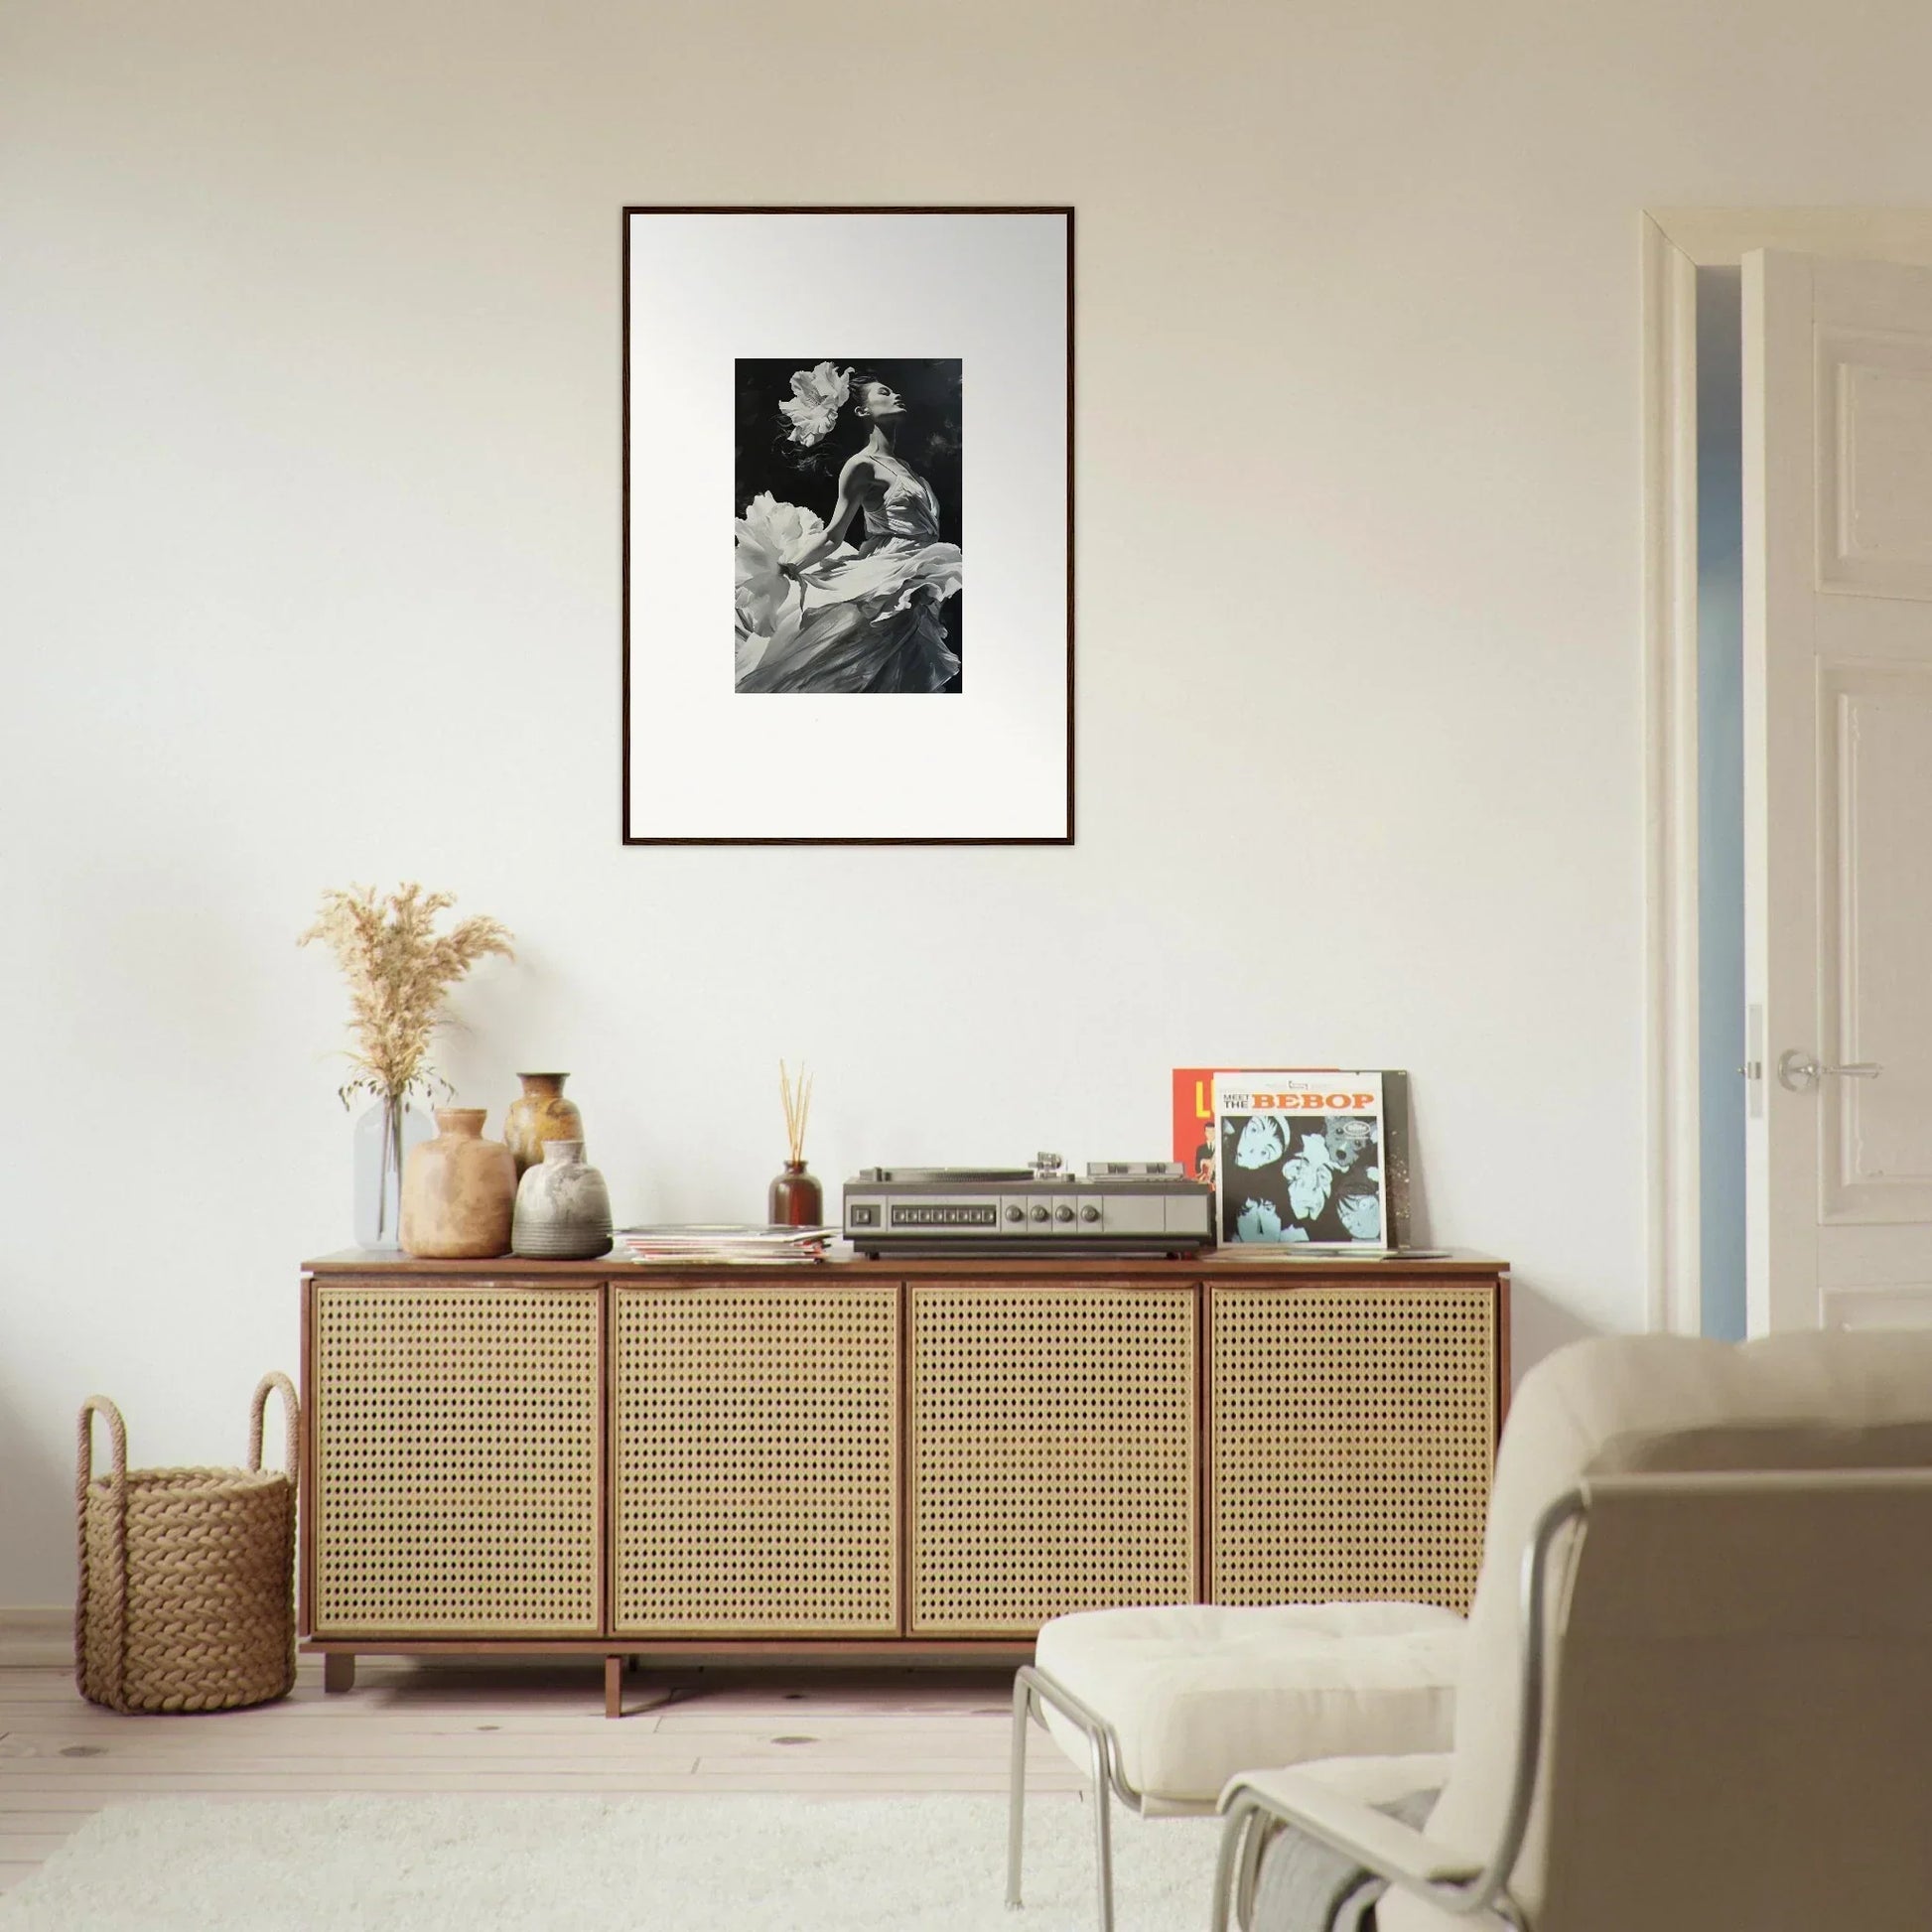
628, 836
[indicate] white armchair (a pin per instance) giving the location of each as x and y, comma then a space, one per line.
1697, 1695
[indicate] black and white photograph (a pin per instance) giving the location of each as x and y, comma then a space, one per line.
814, 366
846, 526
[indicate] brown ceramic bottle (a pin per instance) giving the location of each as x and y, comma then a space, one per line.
796, 1200
540, 1114
459, 1191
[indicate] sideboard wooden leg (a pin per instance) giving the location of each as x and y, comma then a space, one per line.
614, 1687
338, 1671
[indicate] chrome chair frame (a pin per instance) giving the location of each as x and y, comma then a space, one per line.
1032, 1688
1480, 1896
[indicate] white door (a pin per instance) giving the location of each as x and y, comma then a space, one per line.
1838, 790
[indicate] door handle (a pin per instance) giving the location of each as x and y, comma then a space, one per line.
1800, 1071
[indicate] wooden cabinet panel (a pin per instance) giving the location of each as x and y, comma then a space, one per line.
456, 1440
1054, 1432
1351, 1438
755, 1460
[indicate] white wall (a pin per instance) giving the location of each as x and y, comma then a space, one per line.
307, 403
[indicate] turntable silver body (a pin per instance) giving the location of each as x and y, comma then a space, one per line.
1117, 1207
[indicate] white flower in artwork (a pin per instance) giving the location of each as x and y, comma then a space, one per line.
817, 396
1362, 1215
1309, 1175
1260, 1144
770, 534
1259, 1220
784, 527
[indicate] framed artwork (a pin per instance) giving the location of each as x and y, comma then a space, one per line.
878, 647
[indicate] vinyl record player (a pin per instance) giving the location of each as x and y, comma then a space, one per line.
1125, 1207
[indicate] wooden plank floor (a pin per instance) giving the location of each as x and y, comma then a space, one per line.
510, 1729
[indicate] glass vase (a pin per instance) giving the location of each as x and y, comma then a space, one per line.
384, 1133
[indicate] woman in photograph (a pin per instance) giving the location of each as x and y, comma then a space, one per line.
816, 613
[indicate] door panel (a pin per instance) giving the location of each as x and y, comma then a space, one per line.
1838, 781
1054, 1432
1351, 1440
1876, 977
755, 1460
457, 1482
1875, 436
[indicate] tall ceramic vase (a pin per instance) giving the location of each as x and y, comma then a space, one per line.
384, 1133
539, 1114
459, 1191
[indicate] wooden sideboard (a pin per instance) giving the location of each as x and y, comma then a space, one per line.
878, 1458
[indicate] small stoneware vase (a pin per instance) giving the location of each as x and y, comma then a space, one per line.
540, 1114
563, 1208
458, 1191
795, 1199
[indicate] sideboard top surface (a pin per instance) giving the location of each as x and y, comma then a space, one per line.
1212, 1265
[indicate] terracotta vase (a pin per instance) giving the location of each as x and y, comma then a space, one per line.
795, 1199
563, 1208
540, 1114
457, 1191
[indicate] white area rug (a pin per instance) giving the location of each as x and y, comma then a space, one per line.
583, 1865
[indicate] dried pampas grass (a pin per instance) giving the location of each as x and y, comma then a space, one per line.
399, 969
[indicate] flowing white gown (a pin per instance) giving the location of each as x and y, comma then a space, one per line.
864, 618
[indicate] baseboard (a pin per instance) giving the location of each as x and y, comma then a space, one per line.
36, 1635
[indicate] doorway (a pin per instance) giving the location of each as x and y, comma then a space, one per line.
1708, 1083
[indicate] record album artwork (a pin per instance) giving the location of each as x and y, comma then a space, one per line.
1316, 1158
884, 398
1312, 1177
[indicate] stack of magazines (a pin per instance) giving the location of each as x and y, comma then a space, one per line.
722, 1241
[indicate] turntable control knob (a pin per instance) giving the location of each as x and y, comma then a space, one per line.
1015, 1213
1040, 1213
1063, 1213
1089, 1213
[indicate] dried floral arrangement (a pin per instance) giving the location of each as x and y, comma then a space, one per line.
796, 1094
399, 970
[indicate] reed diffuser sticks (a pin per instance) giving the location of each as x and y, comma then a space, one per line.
797, 1097
796, 1198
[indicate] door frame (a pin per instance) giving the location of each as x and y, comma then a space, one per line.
1675, 243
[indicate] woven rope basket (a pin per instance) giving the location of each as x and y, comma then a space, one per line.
185, 1598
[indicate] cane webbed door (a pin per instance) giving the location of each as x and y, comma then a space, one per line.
457, 1439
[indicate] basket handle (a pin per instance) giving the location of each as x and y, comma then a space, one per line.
112, 1586
98, 1404
276, 1380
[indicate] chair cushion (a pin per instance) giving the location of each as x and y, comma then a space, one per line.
1197, 1692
